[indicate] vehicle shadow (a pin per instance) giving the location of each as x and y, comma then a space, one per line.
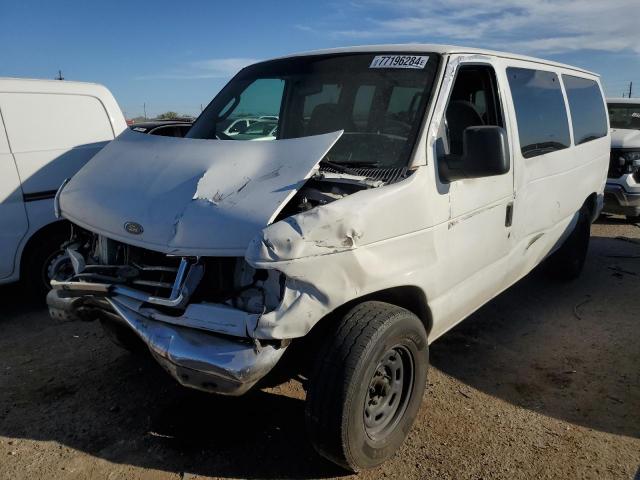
66, 383
568, 351
565, 350
610, 219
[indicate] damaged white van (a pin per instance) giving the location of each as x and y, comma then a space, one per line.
406, 186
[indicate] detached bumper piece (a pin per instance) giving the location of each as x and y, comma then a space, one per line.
195, 358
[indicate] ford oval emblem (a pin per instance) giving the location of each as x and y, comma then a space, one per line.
133, 228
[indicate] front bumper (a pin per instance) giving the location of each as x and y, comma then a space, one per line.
620, 200
195, 358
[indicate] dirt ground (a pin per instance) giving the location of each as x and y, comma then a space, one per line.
543, 382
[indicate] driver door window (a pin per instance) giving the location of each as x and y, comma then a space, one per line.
473, 102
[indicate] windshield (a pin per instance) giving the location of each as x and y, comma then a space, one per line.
378, 100
624, 115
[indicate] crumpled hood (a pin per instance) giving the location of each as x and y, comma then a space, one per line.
625, 138
189, 196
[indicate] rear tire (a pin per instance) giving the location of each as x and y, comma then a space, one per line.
633, 218
567, 262
367, 385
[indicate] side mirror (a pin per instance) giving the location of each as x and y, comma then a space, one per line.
485, 154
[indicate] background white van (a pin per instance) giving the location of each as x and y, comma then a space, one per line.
48, 130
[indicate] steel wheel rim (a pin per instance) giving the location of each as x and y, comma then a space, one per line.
389, 392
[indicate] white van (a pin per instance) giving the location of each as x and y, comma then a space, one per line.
622, 193
407, 186
48, 130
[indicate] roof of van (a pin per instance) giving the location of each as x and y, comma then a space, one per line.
633, 101
435, 48
35, 85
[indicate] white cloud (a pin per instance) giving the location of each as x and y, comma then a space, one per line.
548, 26
212, 68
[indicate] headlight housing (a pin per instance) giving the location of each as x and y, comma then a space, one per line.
624, 162
630, 160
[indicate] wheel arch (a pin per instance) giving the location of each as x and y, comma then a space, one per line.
591, 203
51, 229
409, 297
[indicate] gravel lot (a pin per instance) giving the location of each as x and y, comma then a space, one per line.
543, 382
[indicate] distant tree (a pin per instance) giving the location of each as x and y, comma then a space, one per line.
167, 116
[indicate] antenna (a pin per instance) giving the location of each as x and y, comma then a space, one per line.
59, 77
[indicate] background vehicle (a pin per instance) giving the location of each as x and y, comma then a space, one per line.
622, 193
48, 131
165, 128
238, 125
341, 249
261, 130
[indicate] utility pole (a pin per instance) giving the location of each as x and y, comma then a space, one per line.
144, 107
59, 77
630, 89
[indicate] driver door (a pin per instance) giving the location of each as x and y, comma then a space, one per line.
479, 226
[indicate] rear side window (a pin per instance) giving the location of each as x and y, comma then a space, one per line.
543, 126
42, 121
587, 109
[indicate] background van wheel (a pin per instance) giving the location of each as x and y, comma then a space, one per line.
633, 218
567, 262
367, 385
37, 260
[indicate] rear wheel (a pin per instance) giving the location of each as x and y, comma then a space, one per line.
567, 262
367, 385
633, 218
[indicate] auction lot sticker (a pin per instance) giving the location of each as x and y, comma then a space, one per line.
399, 61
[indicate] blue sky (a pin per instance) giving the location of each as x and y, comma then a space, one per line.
176, 55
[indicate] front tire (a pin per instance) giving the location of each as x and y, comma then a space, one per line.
367, 385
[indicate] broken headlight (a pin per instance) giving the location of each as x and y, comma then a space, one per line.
257, 291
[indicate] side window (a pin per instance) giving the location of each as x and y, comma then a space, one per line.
587, 109
543, 126
43, 121
473, 102
262, 97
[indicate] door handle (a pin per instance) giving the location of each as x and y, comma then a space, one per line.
509, 215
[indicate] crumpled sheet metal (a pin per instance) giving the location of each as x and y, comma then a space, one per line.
344, 250
190, 196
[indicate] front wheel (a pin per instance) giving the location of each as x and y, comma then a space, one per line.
367, 385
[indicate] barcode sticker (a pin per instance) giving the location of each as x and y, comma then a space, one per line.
399, 61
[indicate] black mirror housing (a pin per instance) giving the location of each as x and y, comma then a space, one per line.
485, 154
